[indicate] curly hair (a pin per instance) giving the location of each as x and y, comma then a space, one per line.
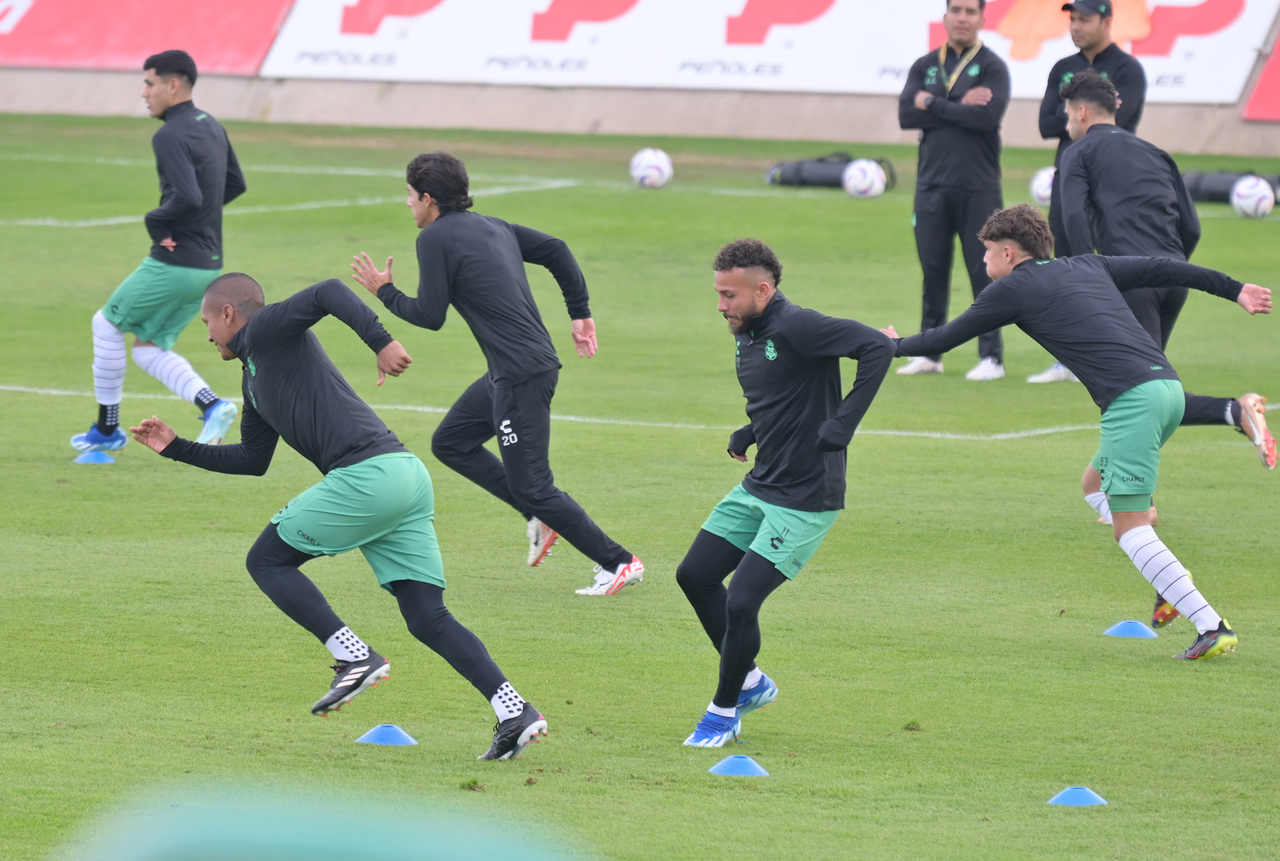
1023, 224
1091, 88
749, 254
442, 176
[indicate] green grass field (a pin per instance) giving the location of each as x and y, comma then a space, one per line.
941, 661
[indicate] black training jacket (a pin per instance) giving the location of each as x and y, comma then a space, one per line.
959, 144
1124, 197
292, 390
476, 263
1072, 307
199, 174
1120, 68
789, 368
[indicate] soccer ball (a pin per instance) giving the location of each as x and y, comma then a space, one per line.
1253, 197
1042, 185
651, 168
864, 178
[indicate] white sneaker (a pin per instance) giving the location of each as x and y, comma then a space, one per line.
541, 537
611, 582
921, 365
987, 369
1057, 374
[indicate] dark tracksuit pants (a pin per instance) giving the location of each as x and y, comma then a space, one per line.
940, 214
520, 417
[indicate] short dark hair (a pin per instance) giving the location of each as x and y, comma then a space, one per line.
442, 176
1091, 88
170, 63
238, 289
1023, 224
749, 254
982, 5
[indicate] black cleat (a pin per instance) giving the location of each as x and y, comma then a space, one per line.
353, 678
1211, 644
512, 735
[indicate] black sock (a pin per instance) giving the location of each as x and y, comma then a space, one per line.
205, 398
1236, 417
108, 418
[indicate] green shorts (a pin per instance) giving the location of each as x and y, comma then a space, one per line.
1134, 427
384, 505
786, 537
157, 301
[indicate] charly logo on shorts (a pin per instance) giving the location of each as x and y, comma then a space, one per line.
770, 351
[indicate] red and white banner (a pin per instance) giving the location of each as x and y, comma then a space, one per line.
1193, 50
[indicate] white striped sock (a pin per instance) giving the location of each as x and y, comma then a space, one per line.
108, 361
171, 369
1163, 571
1098, 502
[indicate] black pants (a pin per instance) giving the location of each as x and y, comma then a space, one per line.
941, 214
520, 417
731, 617
274, 566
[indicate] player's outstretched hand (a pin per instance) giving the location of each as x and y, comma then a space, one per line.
368, 275
891, 332
584, 337
393, 360
977, 96
1255, 299
154, 434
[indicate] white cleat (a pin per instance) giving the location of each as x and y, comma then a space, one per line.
920, 365
987, 369
1057, 374
541, 538
612, 582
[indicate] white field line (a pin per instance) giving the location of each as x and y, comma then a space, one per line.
997, 437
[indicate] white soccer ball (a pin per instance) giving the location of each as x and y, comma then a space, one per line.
651, 168
1042, 185
864, 178
1253, 197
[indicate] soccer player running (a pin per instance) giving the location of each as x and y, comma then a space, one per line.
476, 263
1072, 307
1090, 30
770, 525
198, 174
956, 96
375, 495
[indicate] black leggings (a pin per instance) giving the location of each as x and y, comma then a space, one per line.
274, 566
731, 617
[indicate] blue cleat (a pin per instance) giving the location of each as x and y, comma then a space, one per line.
714, 731
217, 421
93, 440
758, 696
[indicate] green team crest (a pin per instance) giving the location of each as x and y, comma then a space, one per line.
770, 351
974, 70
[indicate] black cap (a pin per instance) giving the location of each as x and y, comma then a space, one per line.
1105, 8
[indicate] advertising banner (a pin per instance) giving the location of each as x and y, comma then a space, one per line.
1194, 51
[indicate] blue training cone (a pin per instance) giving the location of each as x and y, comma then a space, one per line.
1130, 629
95, 457
738, 766
387, 733
1077, 796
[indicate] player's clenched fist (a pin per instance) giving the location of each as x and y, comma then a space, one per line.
154, 434
393, 360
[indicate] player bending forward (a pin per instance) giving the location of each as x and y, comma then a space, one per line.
375, 495
1072, 307
771, 524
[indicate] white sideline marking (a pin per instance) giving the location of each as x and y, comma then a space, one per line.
628, 422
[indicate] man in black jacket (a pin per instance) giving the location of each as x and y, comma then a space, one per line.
476, 263
770, 525
198, 174
375, 495
1072, 307
957, 97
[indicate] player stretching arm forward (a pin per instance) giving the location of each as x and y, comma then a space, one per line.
771, 524
1072, 307
375, 495
476, 263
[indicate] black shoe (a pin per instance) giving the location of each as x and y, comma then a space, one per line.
353, 678
512, 735
1211, 644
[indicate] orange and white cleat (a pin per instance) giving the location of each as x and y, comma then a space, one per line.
541, 539
1253, 424
612, 582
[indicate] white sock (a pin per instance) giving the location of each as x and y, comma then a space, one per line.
1163, 571
753, 678
171, 369
108, 361
346, 646
1098, 502
716, 710
506, 702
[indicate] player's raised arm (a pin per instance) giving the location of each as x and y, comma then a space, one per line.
302, 310
251, 456
545, 250
1135, 273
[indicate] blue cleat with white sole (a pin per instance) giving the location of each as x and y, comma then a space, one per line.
94, 440
714, 731
217, 421
757, 696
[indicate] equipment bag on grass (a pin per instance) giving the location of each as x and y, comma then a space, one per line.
825, 171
